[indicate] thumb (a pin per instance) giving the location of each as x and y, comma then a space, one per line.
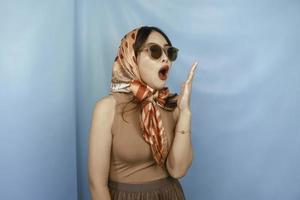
182, 86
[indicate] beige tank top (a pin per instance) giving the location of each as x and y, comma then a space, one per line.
131, 158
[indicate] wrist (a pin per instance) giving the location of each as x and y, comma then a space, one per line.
184, 131
185, 111
184, 122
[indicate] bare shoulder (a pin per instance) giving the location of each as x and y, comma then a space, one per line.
106, 103
104, 109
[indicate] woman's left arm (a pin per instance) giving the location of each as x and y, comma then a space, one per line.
181, 153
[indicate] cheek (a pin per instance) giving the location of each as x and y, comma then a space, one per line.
146, 66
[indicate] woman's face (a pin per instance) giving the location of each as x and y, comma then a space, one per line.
150, 68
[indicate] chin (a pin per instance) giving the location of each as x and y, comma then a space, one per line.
160, 85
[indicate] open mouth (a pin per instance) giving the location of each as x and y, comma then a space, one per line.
163, 72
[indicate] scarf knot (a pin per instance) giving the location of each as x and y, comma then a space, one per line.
145, 93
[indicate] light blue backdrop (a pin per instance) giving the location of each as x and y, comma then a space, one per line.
55, 63
37, 100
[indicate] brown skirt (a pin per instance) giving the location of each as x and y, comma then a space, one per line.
162, 189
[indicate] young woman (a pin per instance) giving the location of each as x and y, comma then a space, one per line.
140, 142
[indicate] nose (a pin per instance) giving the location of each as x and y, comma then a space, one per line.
165, 59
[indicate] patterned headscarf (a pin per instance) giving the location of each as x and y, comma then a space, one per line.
126, 78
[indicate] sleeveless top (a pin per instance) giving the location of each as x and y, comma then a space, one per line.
131, 159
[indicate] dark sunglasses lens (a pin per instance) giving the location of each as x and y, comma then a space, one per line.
172, 53
156, 51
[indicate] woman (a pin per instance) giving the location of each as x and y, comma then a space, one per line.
140, 142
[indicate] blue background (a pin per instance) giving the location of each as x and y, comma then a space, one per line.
56, 60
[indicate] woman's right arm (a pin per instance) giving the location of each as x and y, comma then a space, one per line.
100, 139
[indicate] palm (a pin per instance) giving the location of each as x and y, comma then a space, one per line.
185, 93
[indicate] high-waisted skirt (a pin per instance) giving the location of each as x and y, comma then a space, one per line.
167, 188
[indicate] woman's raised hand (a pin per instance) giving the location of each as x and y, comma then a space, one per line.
186, 90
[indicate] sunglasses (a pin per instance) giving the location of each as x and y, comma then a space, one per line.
155, 51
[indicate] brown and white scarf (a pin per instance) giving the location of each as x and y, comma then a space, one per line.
126, 78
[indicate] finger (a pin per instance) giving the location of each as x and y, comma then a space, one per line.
192, 72
185, 88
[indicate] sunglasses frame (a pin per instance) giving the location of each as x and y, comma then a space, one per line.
163, 49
